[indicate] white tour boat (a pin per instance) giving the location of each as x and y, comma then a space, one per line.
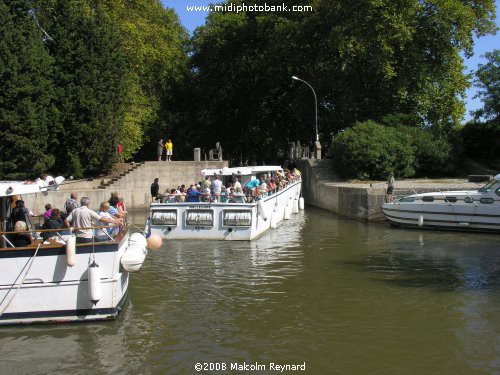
465, 210
237, 217
62, 281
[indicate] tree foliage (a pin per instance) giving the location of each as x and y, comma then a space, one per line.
482, 142
78, 76
370, 151
366, 60
121, 70
89, 71
488, 82
154, 43
26, 94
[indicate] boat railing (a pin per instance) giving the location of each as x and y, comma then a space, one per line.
62, 234
247, 196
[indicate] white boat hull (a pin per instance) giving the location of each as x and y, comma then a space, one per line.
54, 292
462, 210
219, 229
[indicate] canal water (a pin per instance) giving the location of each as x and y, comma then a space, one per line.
341, 296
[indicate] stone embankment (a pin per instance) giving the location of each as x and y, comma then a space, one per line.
323, 188
132, 184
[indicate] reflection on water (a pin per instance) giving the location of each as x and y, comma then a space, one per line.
343, 296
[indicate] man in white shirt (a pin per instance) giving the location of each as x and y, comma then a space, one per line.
81, 217
237, 186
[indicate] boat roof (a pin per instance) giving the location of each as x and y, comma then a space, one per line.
8, 188
497, 177
245, 171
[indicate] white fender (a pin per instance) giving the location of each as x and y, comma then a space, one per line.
139, 239
288, 212
262, 209
135, 253
94, 275
274, 219
421, 221
301, 203
70, 250
295, 207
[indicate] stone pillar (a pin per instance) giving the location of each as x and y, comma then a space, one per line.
197, 154
317, 150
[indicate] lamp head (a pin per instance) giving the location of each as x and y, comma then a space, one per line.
295, 78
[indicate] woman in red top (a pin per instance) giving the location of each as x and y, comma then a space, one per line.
119, 150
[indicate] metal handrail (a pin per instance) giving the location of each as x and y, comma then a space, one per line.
56, 230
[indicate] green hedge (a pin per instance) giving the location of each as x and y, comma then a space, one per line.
370, 150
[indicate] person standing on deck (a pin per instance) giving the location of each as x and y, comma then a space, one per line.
170, 147
82, 217
71, 203
216, 187
155, 188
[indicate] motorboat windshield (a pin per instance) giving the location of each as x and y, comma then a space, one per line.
490, 185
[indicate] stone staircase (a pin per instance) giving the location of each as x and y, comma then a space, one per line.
324, 171
120, 171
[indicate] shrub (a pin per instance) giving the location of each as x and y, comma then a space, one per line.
482, 141
370, 151
434, 155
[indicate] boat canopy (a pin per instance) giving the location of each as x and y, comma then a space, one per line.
8, 188
241, 171
497, 177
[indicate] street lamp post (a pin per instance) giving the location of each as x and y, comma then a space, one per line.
315, 102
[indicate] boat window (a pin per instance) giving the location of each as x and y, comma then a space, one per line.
487, 200
200, 217
407, 199
237, 218
468, 199
498, 192
451, 199
164, 217
428, 198
488, 186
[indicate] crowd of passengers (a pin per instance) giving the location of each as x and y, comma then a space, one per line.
75, 214
212, 189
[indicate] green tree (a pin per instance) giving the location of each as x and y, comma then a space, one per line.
154, 43
488, 83
89, 74
366, 60
26, 95
370, 151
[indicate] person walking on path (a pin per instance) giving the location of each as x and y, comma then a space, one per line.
119, 151
155, 188
159, 149
390, 187
170, 147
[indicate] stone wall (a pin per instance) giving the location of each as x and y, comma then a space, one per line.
338, 197
134, 187
363, 201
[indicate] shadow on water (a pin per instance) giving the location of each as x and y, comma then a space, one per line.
441, 261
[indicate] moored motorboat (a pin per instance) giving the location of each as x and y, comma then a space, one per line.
60, 280
235, 217
473, 210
